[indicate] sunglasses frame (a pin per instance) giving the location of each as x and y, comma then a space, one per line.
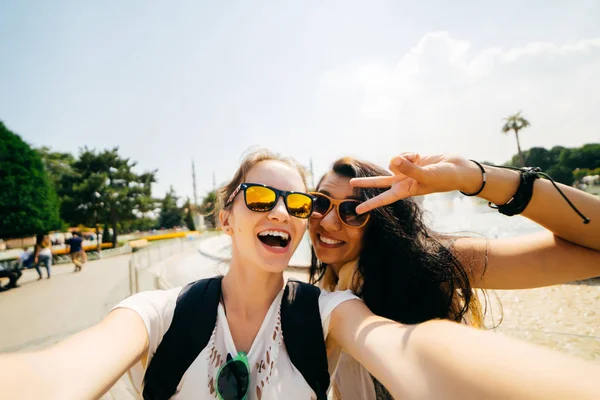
335, 203
241, 357
278, 193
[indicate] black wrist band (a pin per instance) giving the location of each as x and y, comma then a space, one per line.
482, 184
520, 200
522, 197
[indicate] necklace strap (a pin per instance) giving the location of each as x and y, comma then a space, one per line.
223, 302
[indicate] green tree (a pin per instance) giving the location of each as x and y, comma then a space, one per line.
587, 156
515, 123
539, 157
570, 158
104, 187
59, 167
57, 164
561, 174
28, 202
565, 165
170, 215
591, 155
143, 224
555, 152
207, 208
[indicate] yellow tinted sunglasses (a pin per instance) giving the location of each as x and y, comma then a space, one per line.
263, 198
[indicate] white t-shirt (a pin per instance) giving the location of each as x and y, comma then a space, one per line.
272, 374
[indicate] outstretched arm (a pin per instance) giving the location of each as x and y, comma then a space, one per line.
84, 366
442, 359
415, 175
570, 251
540, 259
547, 207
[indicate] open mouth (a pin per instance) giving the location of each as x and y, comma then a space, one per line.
329, 241
274, 238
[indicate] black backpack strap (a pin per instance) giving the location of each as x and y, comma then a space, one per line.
303, 334
193, 322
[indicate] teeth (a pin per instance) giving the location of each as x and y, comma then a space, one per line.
282, 235
329, 241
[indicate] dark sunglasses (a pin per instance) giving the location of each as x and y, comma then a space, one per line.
263, 198
233, 378
346, 210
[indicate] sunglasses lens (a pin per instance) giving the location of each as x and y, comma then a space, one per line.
321, 206
233, 381
299, 205
260, 198
349, 215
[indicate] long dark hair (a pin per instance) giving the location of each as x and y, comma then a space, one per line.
406, 272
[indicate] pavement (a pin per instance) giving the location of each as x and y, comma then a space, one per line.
41, 313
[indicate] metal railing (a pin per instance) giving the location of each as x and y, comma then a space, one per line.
58, 259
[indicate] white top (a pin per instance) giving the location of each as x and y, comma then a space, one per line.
353, 381
45, 251
272, 374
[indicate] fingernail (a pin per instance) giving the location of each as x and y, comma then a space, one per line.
397, 161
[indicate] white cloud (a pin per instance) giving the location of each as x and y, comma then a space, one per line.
440, 97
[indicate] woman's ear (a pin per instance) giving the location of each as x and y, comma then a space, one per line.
225, 217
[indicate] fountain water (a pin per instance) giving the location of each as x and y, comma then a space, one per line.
453, 212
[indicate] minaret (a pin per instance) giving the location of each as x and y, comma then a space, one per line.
194, 183
312, 175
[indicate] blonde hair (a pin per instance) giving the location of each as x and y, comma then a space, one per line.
248, 162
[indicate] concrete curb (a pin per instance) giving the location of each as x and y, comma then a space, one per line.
214, 247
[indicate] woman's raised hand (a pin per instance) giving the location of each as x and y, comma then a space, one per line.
416, 175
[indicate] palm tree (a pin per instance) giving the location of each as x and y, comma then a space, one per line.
515, 123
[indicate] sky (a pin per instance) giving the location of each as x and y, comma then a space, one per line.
168, 82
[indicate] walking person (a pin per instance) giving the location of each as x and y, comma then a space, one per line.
75, 250
42, 253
